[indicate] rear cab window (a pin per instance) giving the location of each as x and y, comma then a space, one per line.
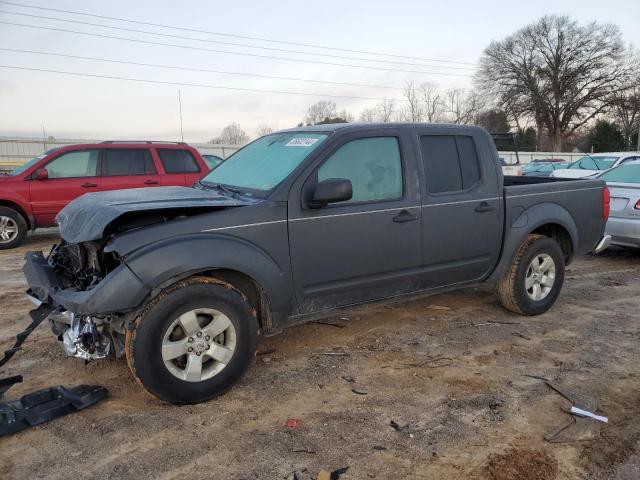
450, 163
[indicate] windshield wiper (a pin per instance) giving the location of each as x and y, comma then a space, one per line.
223, 188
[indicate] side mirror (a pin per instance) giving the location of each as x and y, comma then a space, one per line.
42, 174
331, 190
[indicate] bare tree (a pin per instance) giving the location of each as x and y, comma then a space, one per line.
319, 111
265, 129
462, 106
432, 102
412, 111
231, 135
382, 112
626, 111
558, 73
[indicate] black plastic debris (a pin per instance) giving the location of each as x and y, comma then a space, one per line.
45, 405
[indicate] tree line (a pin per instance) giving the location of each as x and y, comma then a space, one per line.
555, 84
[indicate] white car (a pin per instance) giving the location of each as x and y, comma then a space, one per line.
593, 164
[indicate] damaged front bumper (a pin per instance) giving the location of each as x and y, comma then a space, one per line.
119, 291
89, 323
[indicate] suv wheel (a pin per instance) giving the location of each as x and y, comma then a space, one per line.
535, 279
13, 228
193, 341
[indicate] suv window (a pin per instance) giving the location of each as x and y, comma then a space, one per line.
372, 164
178, 161
450, 162
131, 161
83, 163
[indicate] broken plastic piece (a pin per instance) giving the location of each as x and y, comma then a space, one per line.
45, 405
585, 413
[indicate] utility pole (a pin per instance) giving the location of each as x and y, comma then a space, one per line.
180, 107
638, 146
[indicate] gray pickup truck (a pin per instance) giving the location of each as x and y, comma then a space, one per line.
184, 280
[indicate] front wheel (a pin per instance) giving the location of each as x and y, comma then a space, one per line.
535, 279
193, 341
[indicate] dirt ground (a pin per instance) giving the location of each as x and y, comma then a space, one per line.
430, 388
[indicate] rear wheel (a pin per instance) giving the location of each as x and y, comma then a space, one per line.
13, 228
193, 341
535, 279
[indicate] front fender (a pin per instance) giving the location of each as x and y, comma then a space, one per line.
158, 263
521, 222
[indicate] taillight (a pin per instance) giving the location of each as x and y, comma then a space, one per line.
606, 203
637, 205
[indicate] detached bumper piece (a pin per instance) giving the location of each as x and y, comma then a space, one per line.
45, 405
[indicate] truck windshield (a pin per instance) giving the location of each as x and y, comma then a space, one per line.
266, 162
27, 165
594, 163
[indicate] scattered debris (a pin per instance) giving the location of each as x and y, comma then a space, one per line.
396, 426
349, 379
578, 427
303, 450
45, 405
438, 307
323, 475
379, 447
359, 392
326, 322
266, 352
293, 423
434, 362
517, 334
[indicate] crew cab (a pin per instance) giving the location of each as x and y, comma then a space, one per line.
33, 194
292, 226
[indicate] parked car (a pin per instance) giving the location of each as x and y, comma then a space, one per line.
591, 165
33, 194
294, 225
212, 161
624, 223
538, 168
510, 169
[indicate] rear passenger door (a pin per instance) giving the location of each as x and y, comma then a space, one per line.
461, 207
180, 167
127, 168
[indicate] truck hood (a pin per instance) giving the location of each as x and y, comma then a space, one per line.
573, 173
87, 217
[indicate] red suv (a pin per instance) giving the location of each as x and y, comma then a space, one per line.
32, 195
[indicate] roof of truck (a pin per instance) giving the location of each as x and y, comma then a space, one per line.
332, 127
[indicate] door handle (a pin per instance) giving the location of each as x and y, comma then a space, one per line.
405, 216
484, 207
89, 185
151, 182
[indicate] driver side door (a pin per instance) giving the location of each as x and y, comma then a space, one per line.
364, 248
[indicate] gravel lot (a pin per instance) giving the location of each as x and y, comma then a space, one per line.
449, 370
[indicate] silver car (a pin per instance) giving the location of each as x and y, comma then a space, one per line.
624, 220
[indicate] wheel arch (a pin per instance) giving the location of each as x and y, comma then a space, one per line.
13, 205
237, 262
548, 219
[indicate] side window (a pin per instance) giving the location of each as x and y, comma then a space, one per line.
132, 161
178, 161
450, 162
74, 164
372, 164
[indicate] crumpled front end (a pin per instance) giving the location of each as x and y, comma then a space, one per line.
91, 294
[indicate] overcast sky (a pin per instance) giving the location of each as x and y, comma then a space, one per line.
82, 107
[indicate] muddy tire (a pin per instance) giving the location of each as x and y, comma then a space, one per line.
193, 341
13, 228
533, 283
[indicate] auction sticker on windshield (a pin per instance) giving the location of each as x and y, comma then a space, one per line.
301, 142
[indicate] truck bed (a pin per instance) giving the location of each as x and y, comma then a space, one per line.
572, 201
